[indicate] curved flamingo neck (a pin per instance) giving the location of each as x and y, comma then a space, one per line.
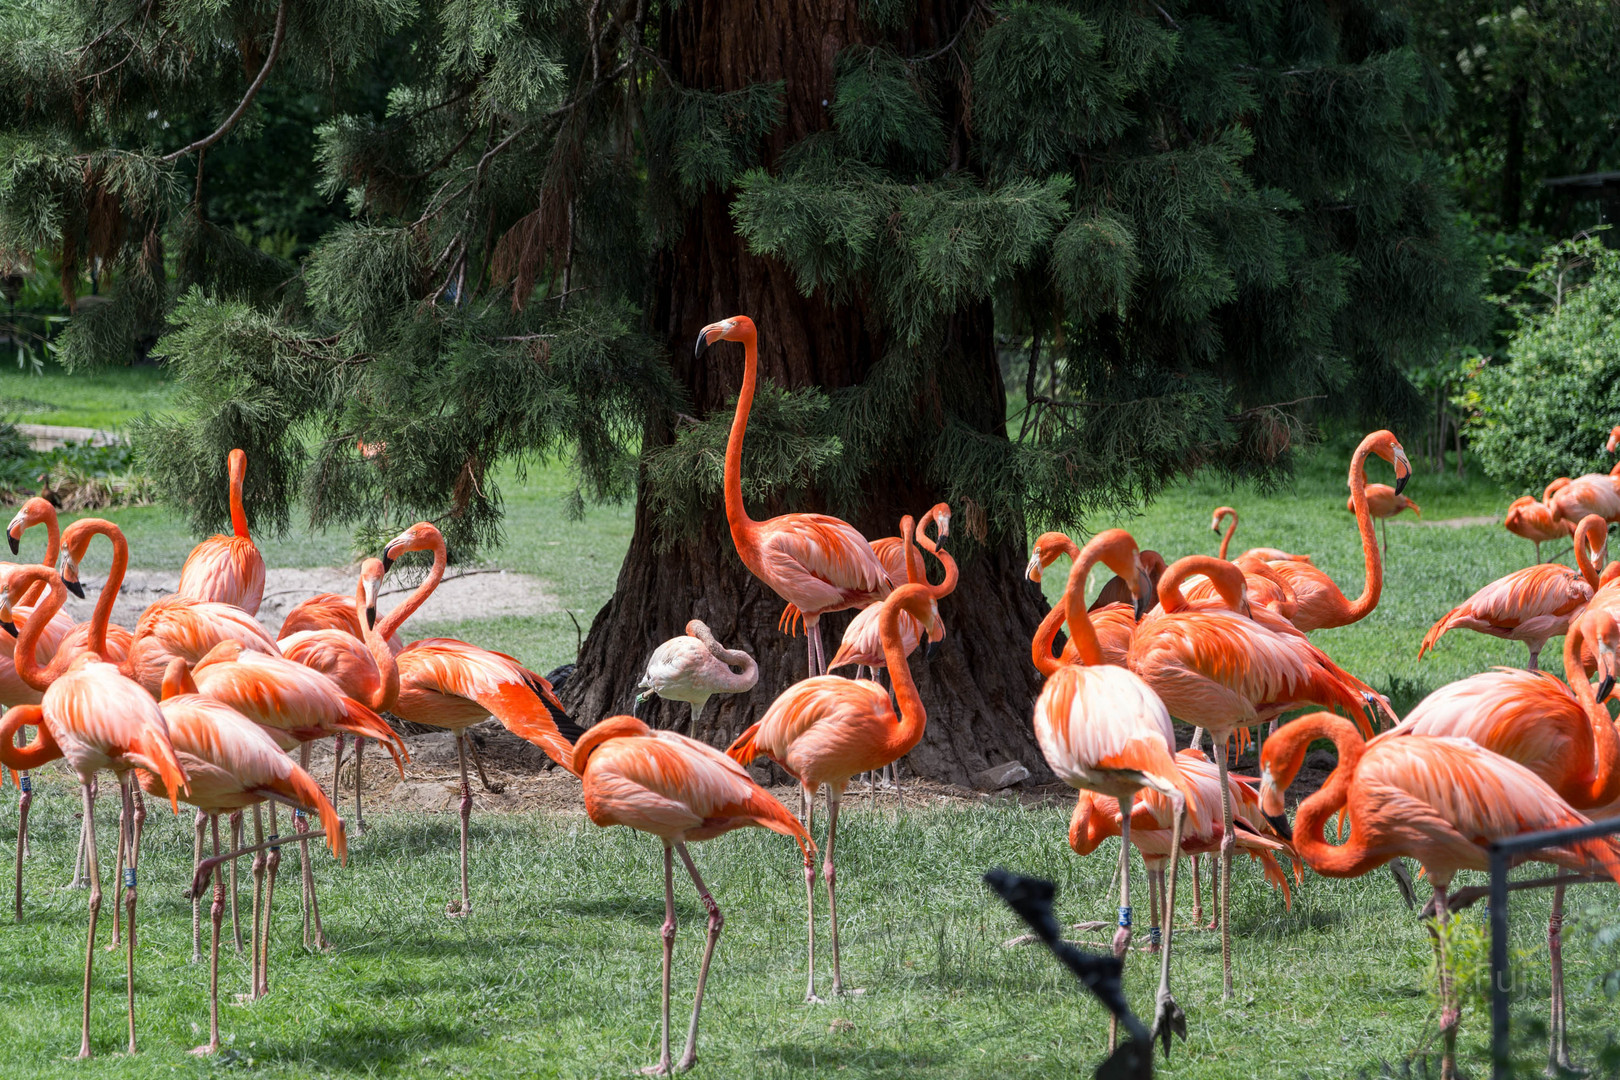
742, 526
101, 617
914, 564
41, 750
1588, 538
1082, 635
396, 618
23, 655
1225, 576
1310, 822
53, 551
913, 718
377, 645
1372, 586
1040, 646
238, 469
1604, 780
1226, 541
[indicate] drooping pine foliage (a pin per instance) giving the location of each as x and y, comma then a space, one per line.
1198, 223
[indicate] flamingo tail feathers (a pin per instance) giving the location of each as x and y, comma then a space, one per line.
159, 750
358, 719
301, 788
526, 713
743, 751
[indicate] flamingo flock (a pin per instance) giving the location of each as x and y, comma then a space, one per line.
199, 703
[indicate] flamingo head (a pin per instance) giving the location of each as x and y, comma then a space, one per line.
1602, 632
236, 465
1388, 447
371, 575
940, 514
1047, 548
736, 328
1220, 515
423, 536
70, 575
1614, 440
33, 512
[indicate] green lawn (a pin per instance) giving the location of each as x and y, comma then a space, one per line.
108, 399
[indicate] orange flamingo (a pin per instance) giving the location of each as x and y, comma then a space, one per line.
1114, 624
113, 641
1557, 731
227, 569
1440, 800
1221, 670
1570, 501
1383, 503
679, 790
862, 644
334, 611
695, 667
98, 719
1534, 521
1613, 442
230, 763
815, 562
1269, 554
176, 626
445, 683
1533, 604
1321, 604
1117, 590
891, 550
826, 729
1102, 729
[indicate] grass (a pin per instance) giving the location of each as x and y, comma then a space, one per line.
108, 398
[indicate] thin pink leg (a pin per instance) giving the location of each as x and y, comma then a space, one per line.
716, 922
668, 933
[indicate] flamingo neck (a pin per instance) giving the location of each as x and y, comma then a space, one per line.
377, 645
1586, 541
1373, 584
915, 574
948, 585
1226, 577
23, 655
1226, 541
396, 618
239, 523
1040, 646
913, 718
42, 749
53, 550
1604, 782
742, 527
101, 617
1310, 822
1082, 635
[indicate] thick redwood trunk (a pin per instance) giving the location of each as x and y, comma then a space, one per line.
979, 687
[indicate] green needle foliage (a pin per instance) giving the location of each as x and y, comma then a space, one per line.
1195, 224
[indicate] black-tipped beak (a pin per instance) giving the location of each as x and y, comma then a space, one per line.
1605, 687
1280, 823
9, 627
702, 344
74, 587
387, 559
1145, 595
15, 542
371, 617
1400, 482
930, 650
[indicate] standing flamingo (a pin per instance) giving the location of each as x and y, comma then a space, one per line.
227, 569
1113, 624
445, 683
815, 562
1533, 604
1533, 521
1383, 503
826, 729
179, 627
1572, 500
679, 790
1221, 670
1440, 800
98, 719
695, 667
1102, 729
891, 550
1557, 731
1321, 604
334, 611
862, 644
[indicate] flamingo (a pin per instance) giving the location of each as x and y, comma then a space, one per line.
826, 729
862, 644
361, 664
1102, 729
176, 626
695, 667
231, 763
227, 569
1117, 590
445, 683
1557, 731
815, 562
1438, 799
891, 550
1113, 624
1534, 521
1613, 442
679, 790
1572, 500
1221, 670
1533, 604
334, 611
1269, 554
1384, 503
98, 719
1321, 604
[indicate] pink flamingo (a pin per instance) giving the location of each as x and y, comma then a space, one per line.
334, 611
1113, 624
227, 569
679, 790
815, 562
891, 550
693, 668
1534, 521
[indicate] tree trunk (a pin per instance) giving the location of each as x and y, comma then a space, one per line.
979, 687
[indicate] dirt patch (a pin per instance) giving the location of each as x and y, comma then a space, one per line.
474, 595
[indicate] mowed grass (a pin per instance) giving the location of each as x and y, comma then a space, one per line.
557, 971
108, 398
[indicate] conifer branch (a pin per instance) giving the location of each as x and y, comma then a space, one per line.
247, 98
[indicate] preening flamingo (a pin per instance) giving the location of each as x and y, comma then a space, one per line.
98, 719
1221, 670
445, 683
227, 569
230, 763
1113, 624
1557, 731
1102, 729
815, 562
693, 668
826, 729
1383, 503
891, 550
1321, 603
1440, 800
1534, 521
679, 790
1533, 604
1117, 590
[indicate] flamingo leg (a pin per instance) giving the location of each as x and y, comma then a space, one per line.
258, 901
1538, 551
1228, 841
830, 876
118, 872
1198, 894
271, 865
235, 821
337, 764
668, 934
134, 813
818, 659
456, 909
1449, 1014
1168, 1016
1155, 927
494, 788
312, 907
78, 881
359, 751
809, 804
1558, 1062
94, 873
1122, 936
23, 800
200, 831
716, 922
216, 913
1535, 655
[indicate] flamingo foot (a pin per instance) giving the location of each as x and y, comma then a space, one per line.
457, 909
1168, 1019
654, 1070
205, 1050
812, 999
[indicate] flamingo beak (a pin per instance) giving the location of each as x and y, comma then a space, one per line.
930, 650
1033, 570
1605, 688
1403, 470
1280, 823
75, 587
708, 336
9, 626
1145, 597
370, 592
14, 540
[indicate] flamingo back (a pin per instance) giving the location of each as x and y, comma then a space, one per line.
819, 563
226, 570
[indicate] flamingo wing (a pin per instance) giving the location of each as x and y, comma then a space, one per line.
1529, 716
819, 563
225, 569
1529, 600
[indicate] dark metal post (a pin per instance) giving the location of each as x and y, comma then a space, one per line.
1501, 1066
